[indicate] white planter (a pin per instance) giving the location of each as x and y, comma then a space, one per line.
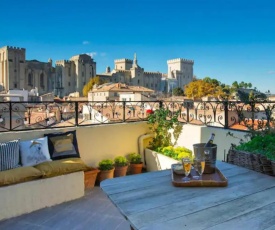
156, 161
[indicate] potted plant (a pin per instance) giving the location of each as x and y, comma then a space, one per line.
257, 154
135, 163
106, 168
121, 166
166, 129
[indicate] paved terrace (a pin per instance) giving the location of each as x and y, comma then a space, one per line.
93, 211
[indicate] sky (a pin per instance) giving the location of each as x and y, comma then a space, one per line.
229, 40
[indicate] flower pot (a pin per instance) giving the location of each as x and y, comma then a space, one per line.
135, 168
90, 178
120, 171
105, 174
156, 161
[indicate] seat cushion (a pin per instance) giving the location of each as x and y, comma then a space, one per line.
61, 167
18, 175
9, 155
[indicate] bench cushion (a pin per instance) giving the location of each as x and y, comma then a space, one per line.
61, 167
18, 175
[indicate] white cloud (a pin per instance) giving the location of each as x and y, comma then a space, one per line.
271, 72
92, 54
85, 42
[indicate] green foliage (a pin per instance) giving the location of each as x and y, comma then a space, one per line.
106, 165
176, 153
120, 161
178, 91
261, 144
134, 158
164, 124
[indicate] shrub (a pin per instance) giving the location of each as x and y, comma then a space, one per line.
261, 144
120, 161
176, 153
134, 158
106, 165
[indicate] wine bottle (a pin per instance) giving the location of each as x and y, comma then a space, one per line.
210, 141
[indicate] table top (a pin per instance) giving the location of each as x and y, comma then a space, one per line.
150, 201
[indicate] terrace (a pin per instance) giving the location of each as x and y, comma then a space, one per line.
108, 129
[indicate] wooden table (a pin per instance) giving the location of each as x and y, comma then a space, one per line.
150, 201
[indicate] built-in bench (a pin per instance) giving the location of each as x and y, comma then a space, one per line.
29, 196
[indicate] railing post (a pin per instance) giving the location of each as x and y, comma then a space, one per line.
10, 116
187, 111
225, 104
160, 104
76, 113
124, 106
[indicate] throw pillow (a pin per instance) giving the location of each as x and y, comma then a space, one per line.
63, 145
34, 151
9, 155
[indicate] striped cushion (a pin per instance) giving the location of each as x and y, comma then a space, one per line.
9, 155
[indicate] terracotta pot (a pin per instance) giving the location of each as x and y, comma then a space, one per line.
106, 174
135, 168
120, 171
90, 178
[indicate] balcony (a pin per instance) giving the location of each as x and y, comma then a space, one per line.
101, 139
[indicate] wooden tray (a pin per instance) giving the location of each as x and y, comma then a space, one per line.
216, 179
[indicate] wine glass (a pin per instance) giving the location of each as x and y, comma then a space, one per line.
186, 162
199, 164
196, 177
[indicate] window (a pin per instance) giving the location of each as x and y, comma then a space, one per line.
42, 80
82, 74
69, 83
15, 85
30, 79
138, 82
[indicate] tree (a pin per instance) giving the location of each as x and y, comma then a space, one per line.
96, 80
198, 89
178, 91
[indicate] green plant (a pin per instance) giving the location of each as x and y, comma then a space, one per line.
120, 161
176, 153
165, 125
260, 144
134, 158
106, 165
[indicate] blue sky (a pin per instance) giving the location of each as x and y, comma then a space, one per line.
227, 39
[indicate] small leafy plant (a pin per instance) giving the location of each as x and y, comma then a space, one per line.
106, 165
261, 144
176, 153
134, 158
120, 161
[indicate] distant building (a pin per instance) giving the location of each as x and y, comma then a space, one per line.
72, 75
18, 73
68, 76
120, 92
180, 73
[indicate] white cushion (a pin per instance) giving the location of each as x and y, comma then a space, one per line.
34, 151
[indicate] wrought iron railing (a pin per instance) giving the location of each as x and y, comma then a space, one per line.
18, 116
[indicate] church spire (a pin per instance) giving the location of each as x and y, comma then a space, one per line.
135, 61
